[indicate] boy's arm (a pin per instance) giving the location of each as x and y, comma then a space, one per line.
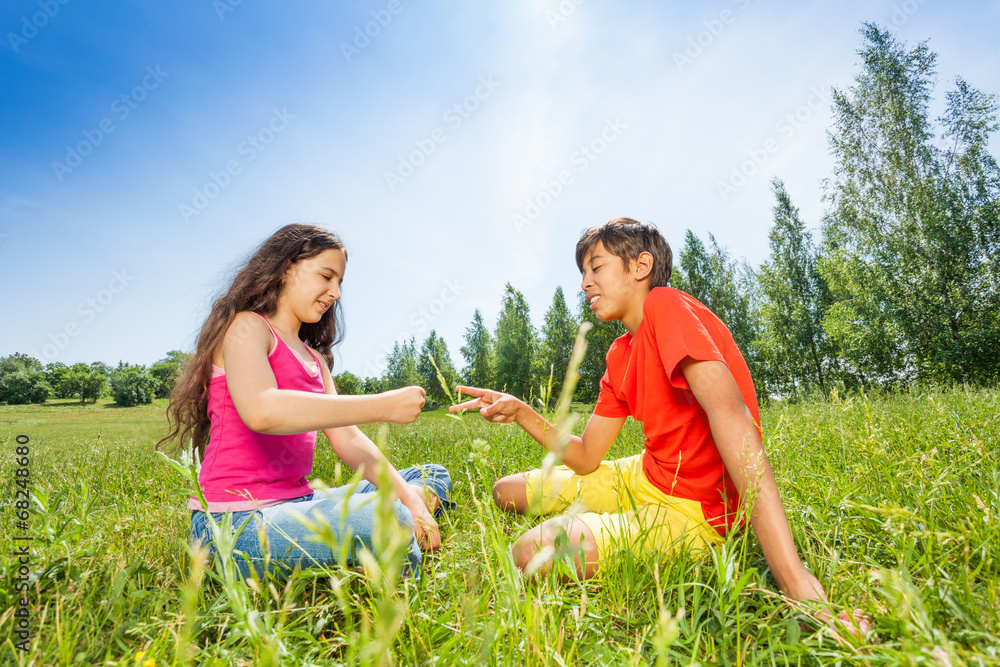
582, 455
740, 445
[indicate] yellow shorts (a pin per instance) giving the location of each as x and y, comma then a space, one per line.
622, 508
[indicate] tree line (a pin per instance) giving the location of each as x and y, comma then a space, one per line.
516, 356
24, 379
902, 285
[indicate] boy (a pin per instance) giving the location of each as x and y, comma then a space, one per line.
679, 372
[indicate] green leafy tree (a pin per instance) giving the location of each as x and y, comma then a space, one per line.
347, 384
167, 371
434, 346
794, 345
401, 366
132, 385
728, 288
516, 343
558, 336
23, 380
599, 339
19, 362
95, 382
373, 385
55, 372
912, 240
84, 382
478, 351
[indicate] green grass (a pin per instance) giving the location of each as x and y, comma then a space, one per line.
894, 503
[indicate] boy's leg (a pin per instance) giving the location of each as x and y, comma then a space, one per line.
675, 527
536, 492
510, 493
543, 542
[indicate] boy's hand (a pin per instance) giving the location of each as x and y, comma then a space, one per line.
404, 404
494, 406
807, 587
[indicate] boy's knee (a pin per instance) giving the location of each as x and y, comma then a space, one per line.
510, 493
524, 549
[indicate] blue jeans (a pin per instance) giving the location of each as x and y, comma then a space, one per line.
349, 514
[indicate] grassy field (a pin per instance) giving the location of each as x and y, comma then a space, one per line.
894, 503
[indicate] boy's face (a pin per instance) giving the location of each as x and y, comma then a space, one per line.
612, 288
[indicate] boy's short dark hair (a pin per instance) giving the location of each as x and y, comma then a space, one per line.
628, 238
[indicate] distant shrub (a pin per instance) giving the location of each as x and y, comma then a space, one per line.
348, 384
24, 386
167, 371
132, 385
371, 385
19, 362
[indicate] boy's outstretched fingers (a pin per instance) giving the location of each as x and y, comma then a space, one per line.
475, 403
494, 406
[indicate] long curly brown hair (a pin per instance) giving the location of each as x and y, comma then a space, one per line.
256, 287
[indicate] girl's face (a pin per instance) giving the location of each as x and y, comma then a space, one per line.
312, 285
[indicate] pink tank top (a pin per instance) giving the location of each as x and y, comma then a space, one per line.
244, 469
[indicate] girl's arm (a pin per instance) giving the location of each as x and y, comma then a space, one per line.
358, 451
266, 409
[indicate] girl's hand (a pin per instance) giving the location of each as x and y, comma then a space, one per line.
424, 526
404, 404
494, 406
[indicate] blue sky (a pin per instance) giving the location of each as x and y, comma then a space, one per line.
148, 147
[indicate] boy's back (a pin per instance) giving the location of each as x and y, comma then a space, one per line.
644, 380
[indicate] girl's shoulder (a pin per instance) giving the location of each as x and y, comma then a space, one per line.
249, 327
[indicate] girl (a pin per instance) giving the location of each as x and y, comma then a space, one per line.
255, 392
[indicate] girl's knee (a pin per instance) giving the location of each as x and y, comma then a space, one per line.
436, 479
438, 473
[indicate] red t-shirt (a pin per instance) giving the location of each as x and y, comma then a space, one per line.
644, 380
